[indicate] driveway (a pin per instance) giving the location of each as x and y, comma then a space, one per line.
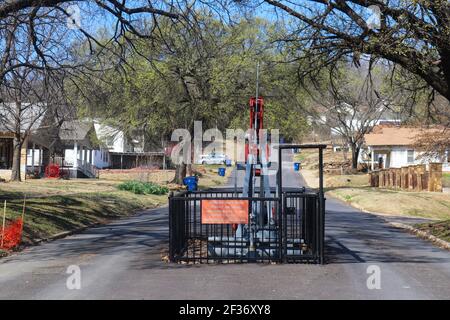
123, 260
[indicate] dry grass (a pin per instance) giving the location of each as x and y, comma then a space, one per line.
55, 205
354, 189
310, 159
156, 176
208, 176
52, 187
440, 229
335, 181
431, 205
50, 214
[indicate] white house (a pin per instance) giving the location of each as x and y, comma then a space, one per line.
394, 147
126, 152
115, 139
35, 120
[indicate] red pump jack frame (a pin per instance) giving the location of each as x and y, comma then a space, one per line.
257, 124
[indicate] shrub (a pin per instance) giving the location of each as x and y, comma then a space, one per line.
138, 187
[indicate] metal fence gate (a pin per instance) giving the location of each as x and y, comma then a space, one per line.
292, 232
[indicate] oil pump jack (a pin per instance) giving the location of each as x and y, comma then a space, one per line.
261, 228
257, 221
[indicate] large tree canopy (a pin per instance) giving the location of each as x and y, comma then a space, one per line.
412, 34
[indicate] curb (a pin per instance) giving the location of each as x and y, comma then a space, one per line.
422, 234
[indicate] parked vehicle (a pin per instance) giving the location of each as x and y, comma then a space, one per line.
213, 158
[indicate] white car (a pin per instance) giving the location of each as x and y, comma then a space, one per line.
213, 158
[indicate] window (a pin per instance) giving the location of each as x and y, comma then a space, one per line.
410, 156
6, 153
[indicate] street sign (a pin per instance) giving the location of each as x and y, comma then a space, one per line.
216, 211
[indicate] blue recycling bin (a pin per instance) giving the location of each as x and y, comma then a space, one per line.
191, 183
221, 172
297, 166
228, 162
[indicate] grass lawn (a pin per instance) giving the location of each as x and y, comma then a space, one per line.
431, 205
354, 189
208, 176
54, 206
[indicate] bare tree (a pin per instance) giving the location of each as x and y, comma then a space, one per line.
351, 102
30, 96
46, 43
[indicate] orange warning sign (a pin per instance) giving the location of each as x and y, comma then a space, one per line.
224, 211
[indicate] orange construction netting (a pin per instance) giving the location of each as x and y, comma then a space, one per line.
12, 234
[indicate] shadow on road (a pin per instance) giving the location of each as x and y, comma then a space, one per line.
357, 237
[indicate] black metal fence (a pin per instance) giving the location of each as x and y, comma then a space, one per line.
290, 229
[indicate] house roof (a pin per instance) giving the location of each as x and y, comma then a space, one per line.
75, 130
396, 136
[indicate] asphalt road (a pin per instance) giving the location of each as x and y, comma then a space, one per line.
122, 260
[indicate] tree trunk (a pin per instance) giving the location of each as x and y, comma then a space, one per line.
17, 153
355, 156
180, 173
189, 170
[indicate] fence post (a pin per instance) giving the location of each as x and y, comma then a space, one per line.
373, 179
394, 178
386, 178
410, 178
435, 177
420, 171
405, 180
381, 179
391, 177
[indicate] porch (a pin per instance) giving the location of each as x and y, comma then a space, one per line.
380, 158
78, 161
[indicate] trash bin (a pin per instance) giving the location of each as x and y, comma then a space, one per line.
191, 183
228, 162
221, 172
297, 166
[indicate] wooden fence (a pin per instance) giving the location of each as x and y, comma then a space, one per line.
412, 178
